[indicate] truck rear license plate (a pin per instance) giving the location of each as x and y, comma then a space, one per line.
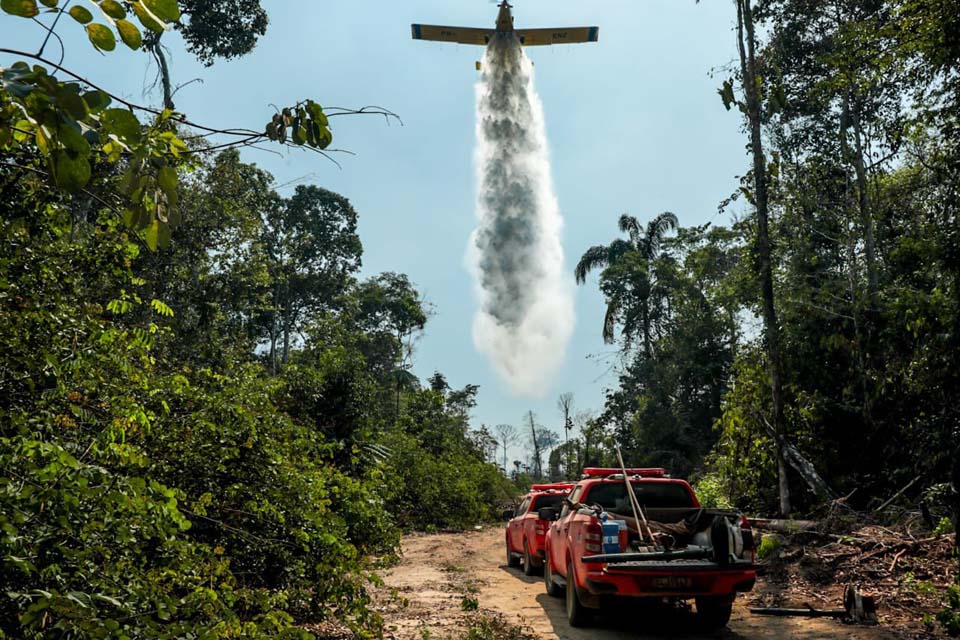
671, 583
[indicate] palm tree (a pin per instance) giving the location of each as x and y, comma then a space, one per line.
635, 255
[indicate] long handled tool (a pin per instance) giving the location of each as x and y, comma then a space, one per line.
638, 514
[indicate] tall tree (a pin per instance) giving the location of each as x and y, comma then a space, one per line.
393, 313
214, 276
312, 250
211, 29
751, 83
627, 274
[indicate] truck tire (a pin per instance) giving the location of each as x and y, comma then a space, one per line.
528, 568
553, 589
714, 612
577, 614
512, 560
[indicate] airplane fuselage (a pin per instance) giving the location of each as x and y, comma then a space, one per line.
505, 19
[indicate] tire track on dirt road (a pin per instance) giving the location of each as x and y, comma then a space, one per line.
438, 570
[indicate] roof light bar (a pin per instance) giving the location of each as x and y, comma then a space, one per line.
556, 486
654, 472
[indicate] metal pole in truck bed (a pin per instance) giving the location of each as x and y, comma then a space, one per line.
638, 514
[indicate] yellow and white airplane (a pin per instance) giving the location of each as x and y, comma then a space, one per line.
527, 37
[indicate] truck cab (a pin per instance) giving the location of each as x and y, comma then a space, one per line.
597, 549
526, 531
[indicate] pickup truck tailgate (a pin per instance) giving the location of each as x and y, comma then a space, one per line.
675, 578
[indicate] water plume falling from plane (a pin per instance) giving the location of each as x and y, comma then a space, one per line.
526, 315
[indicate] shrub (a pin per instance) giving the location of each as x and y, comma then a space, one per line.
943, 527
949, 617
712, 491
769, 545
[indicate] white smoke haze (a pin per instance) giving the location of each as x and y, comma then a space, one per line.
526, 314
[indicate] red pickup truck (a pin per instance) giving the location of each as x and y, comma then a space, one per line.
525, 530
597, 551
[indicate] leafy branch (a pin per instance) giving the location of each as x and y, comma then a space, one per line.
74, 127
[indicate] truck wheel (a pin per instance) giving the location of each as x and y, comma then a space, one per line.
553, 589
577, 614
528, 568
714, 612
512, 560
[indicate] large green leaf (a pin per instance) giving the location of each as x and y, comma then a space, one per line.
158, 235
70, 171
71, 140
101, 37
96, 100
164, 9
113, 9
121, 123
726, 94
316, 112
146, 19
80, 14
22, 8
129, 34
68, 97
167, 179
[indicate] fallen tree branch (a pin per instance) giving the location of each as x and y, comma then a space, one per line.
809, 612
898, 494
782, 526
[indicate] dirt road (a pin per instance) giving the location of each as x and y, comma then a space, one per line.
443, 575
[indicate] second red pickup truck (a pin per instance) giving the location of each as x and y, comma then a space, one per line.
595, 550
525, 530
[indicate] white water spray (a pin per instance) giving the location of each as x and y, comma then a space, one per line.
526, 300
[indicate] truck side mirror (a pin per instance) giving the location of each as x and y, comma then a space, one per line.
548, 513
507, 514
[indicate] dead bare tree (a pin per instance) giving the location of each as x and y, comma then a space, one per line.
537, 459
565, 404
506, 435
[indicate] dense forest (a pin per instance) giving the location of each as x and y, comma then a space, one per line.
825, 320
209, 426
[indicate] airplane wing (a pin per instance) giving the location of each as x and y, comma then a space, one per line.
536, 37
463, 35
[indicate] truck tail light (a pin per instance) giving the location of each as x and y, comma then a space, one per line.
593, 538
541, 527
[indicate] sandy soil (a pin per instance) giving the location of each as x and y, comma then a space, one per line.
426, 594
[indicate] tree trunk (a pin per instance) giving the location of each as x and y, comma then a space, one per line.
857, 332
771, 329
851, 119
645, 311
286, 337
956, 504
273, 344
866, 215
536, 446
157, 50
396, 411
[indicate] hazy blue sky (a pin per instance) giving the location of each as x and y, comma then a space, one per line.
634, 123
